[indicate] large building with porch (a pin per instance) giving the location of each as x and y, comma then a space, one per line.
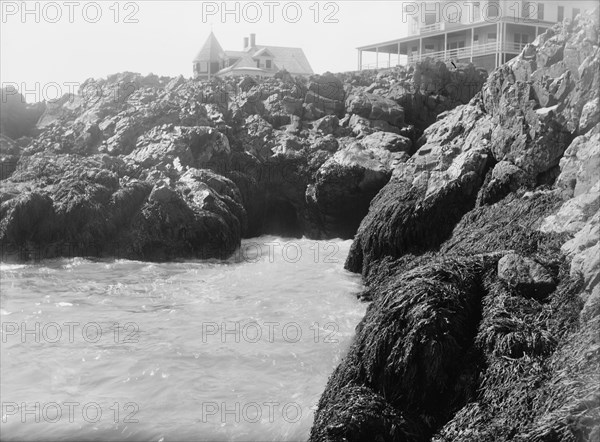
487, 33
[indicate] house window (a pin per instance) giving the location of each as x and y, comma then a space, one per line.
429, 48
476, 38
561, 13
414, 49
492, 36
257, 63
576, 12
269, 64
203, 66
540, 11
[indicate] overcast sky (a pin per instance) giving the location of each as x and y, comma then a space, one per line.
59, 42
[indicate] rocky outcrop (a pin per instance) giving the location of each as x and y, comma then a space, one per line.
306, 157
506, 124
17, 117
428, 193
480, 256
346, 183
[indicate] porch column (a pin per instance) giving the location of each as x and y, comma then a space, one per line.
398, 54
498, 38
472, 42
389, 59
359, 60
420, 49
377, 57
445, 47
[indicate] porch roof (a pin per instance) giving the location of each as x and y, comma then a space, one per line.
391, 46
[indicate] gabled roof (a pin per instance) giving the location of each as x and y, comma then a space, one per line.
292, 60
236, 54
211, 51
246, 62
264, 52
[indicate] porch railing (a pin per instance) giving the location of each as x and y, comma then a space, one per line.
432, 28
467, 53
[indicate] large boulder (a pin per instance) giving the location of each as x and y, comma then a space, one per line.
525, 275
345, 185
428, 193
375, 107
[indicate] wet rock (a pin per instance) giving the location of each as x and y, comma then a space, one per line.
526, 276
505, 178
345, 185
439, 182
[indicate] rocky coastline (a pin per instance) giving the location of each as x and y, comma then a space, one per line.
472, 200
163, 168
481, 258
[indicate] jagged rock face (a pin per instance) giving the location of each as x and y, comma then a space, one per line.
428, 193
511, 178
579, 180
506, 123
88, 212
580, 164
426, 91
388, 141
282, 143
185, 146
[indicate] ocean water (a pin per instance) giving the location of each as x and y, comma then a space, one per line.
125, 350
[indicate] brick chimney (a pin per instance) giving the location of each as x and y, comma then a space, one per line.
252, 40
245, 43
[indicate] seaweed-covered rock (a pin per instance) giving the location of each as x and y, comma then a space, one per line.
428, 193
525, 275
515, 271
413, 349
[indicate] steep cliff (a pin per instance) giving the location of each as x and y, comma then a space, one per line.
481, 258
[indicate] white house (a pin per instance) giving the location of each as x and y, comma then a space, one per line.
487, 33
254, 60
